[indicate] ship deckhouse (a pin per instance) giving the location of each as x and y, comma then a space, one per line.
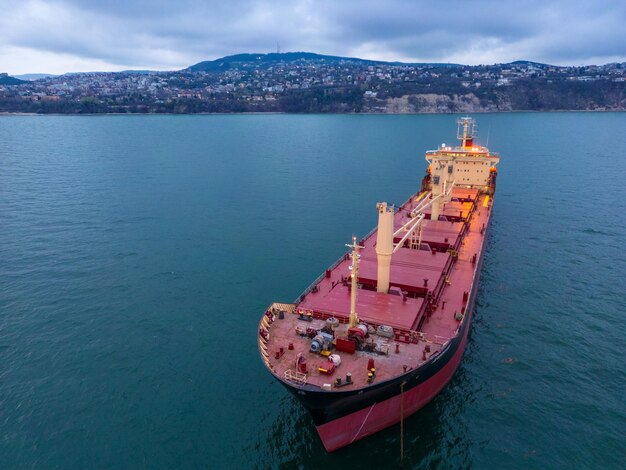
466, 166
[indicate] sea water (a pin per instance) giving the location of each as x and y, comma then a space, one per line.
137, 254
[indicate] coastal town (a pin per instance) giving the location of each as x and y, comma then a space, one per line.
304, 82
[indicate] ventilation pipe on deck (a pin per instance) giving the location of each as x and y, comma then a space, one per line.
434, 211
384, 245
436, 192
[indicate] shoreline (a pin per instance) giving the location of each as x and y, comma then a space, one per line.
261, 113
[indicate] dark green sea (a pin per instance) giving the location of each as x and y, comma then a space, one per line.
137, 254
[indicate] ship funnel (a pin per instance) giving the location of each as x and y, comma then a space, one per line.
384, 245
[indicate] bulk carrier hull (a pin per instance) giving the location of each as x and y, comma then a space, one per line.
393, 314
375, 409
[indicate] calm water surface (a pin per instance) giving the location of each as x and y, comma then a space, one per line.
137, 254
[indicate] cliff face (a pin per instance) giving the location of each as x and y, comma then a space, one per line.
524, 96
434, 103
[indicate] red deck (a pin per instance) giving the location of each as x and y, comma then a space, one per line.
411, 270
331, 297
454, 210
373, 307
468, 194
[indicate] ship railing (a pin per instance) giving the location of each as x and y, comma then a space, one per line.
279, 306
408, 201
369, 234
323, 315
418, 198
295, 377
264, 336
402, 335
265, 325
320, 277
442, 280
310, 288
441, 340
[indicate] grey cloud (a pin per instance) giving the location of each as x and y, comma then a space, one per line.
434, 30
165, 34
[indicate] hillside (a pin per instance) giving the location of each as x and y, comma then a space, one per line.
29, 77
6, 79
243, 61
246, 60
305, 82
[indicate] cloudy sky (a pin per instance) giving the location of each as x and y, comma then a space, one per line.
57, 36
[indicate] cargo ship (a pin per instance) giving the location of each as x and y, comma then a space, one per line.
381, 332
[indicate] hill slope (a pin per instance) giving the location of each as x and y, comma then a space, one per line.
245, 60
6, 79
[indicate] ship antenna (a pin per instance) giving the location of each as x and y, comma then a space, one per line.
465, 131
354, 274
488, 133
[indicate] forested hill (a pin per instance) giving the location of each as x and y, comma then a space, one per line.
243, 61
6, 79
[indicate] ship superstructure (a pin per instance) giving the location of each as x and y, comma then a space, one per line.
383, 329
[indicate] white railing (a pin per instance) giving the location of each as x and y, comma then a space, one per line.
294, 376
